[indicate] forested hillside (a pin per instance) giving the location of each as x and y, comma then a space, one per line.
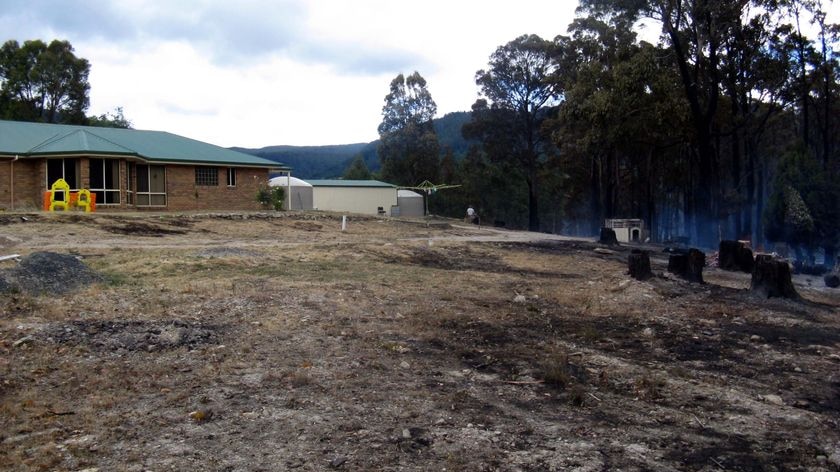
326, 162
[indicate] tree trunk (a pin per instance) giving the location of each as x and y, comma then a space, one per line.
771, 278
733, 255
608, 237
688, 265
639, 265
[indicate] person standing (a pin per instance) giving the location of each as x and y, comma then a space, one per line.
472, 216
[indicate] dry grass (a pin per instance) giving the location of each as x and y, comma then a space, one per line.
308, 344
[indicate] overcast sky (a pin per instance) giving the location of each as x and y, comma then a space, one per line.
258, 73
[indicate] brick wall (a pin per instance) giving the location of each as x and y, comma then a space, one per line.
182, 192
28, 190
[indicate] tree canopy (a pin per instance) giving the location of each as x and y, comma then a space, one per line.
43, 82
408, 148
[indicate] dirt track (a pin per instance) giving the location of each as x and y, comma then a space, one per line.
281, 343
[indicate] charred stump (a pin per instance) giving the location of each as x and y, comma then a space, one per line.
771, 278
639, 264
608, 237
832, 280
735, 256
688, 265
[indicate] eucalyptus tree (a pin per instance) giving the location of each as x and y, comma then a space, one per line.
517, 91
43, 82
408, 149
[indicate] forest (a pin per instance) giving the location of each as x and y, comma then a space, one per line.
725, 127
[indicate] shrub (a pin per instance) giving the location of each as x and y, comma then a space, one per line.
271, 197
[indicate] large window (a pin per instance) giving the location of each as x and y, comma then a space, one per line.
105, 181
67, 169
151, 185
206, 176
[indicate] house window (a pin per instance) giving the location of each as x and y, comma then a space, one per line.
207, 176
105, 181
231, 177
67, 169
151, 185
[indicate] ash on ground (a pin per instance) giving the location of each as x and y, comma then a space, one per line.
47, 273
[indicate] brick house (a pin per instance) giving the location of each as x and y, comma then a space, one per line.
127, 169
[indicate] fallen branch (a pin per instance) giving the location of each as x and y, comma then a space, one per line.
698, 420
593, 396
524, 382
11, 256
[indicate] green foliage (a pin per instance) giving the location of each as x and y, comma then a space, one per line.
804, 208
357, 170
271, 197
43, 82
408, 148
115, 119
518, 91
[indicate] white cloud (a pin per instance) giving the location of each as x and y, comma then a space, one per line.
265, 73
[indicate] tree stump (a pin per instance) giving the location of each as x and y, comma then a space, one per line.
771, 278
735, 256
832, 280
608, 237
688, 265
639, 265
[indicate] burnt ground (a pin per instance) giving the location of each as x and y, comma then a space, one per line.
230, 342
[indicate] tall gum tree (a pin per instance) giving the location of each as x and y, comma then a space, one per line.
517, 88
408, 149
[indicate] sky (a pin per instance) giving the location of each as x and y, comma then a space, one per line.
294, 72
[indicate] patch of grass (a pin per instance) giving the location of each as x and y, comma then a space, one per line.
557, 371
649, 386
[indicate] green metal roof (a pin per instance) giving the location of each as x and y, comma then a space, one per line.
40, 140
348, 183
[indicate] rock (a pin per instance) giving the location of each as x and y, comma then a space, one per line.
832, 280
23, 340
773, 399
405, 365
201, 415
756, 338
338, 462
520, 299
406, 433
604, 251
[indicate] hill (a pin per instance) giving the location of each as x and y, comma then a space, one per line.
324, 162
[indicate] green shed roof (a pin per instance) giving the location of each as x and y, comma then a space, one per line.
348, 183
40, 139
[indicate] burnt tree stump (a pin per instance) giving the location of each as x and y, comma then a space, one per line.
688, 265
832, 280
608, 237
735, 256
771, 278
638, 264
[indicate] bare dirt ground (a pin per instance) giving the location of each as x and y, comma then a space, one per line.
277, 342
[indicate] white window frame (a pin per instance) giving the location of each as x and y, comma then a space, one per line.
231, 176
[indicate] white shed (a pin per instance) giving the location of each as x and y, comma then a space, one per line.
300, 191
627, 230
370, 197
409, 204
